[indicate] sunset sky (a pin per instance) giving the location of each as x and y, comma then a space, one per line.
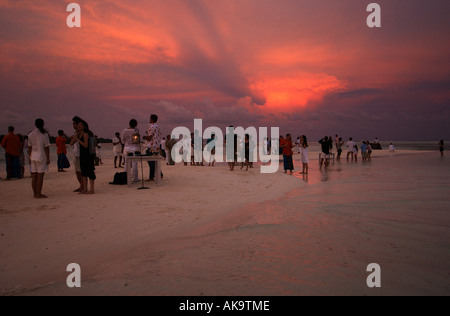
309, 67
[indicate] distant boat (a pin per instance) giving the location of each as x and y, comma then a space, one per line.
376, 146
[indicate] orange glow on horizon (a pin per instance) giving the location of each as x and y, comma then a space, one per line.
290, 93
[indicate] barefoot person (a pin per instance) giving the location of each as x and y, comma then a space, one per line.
38, 150
351, 149
11, 143
153, 139
247, 152
61, 150
87, 156
76, 152
130, 148
287, 146
117, 150
339, 144
441, 147
325, 143
304, 153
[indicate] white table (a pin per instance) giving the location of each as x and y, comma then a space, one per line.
331, 156
157, 159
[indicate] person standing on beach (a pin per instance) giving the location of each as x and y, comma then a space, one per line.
351, 148
369, 151
98, 151
11, 143
153, 139
129, 148
61, 150
325, 151
286, 146
39, 153
339, 144
22, 156
211, 145
281, 141
117, 150
87, 157
441, 147
231, 152
304, 153
170, 142
298, 144
76, 151
247, 152
330, 141
364, 151
163, 149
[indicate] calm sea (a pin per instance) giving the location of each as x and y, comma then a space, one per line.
314, 148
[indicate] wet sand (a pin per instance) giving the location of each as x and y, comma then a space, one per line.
207, 231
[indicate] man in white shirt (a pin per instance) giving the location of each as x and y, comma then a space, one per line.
39, 152
351, 148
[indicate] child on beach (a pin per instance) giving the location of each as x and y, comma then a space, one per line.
355, 152
61, 150
39, 152
369, 151
304, 153
391, 148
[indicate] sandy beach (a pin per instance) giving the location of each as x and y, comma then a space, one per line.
207, 231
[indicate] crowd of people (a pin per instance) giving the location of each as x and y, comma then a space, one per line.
327, 151
87, 155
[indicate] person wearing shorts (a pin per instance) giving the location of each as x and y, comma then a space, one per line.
38, 150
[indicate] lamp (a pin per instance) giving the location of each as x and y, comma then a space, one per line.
136, 139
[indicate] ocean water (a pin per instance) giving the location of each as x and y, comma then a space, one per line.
313, 150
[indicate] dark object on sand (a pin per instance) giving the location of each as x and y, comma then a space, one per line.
120, 178
376, 146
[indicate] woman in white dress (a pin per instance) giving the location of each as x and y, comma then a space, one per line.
304, 153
